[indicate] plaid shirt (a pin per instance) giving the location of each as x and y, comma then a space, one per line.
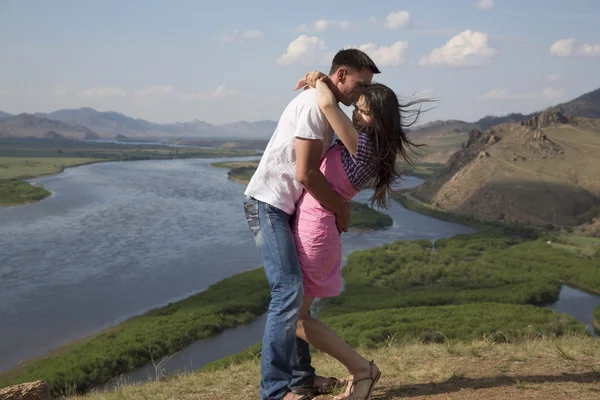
360, 169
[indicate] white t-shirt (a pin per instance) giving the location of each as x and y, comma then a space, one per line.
274, 181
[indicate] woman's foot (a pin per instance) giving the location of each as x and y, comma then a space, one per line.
361, 385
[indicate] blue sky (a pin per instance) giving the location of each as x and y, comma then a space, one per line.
239, 60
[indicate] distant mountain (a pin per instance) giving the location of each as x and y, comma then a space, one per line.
110, 124
264, 128
28, 125
5, 114
587, 105
52, 135
107, 124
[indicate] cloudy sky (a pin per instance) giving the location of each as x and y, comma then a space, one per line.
230, 60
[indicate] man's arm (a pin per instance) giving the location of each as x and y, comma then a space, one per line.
308, 159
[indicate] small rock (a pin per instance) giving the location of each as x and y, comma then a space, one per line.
37, 390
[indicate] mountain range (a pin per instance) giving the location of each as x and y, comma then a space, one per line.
87, 123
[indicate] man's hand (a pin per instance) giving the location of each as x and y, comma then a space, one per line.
309, 80
342, 221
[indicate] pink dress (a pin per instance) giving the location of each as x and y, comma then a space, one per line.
317, 239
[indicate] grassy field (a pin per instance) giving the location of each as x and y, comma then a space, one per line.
563, 368
26, 167
583, 245
25, 159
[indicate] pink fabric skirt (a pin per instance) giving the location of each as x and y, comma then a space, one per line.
317, 239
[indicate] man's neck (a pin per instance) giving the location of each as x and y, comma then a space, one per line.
332, 83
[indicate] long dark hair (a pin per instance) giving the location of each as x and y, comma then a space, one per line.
387, 134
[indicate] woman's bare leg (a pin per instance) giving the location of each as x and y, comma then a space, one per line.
325, 339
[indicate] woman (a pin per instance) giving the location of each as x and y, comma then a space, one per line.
370, 145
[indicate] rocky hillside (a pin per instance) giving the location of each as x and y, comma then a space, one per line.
28, 125
541, 171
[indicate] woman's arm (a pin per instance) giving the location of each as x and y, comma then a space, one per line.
341, 124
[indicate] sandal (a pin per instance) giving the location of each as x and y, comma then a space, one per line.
371, 378
326, 388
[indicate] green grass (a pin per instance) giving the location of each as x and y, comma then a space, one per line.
583, 245
29, 167
482, 268
20, 192
162, 331
364, 217
504, 322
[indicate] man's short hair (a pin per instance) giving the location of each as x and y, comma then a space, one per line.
354, 59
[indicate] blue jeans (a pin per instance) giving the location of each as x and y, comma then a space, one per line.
285, 359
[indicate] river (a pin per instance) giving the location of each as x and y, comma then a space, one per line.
117, 239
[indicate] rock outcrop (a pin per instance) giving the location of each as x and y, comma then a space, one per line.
37, 390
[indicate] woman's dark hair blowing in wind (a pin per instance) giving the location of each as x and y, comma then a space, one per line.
387, 134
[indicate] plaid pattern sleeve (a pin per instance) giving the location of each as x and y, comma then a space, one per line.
360, 169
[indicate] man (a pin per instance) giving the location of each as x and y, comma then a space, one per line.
290, 164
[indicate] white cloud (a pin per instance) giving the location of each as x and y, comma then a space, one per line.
104, 93
398, 20
392, 55
571, 48
60, 90
152, 93
394, 20
548, 93
553, 77
305, 50
467, 49
496, 94
485, 4
562, 48
222, 91
591, 49
238, 35
322, 25
3, 92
